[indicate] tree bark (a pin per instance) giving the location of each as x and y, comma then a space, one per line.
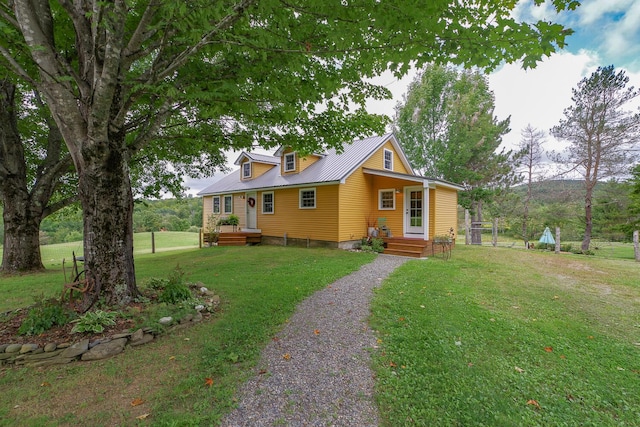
588, 218
476, 232
107, 203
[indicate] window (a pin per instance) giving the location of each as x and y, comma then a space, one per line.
216, 205
388, 159
228, 204
387, 199
267, 203
289, 162
246, 170
307, 198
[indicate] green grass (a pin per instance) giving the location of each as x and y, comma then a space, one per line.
259, 288
465, 342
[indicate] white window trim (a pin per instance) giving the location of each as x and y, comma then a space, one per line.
384, 160
213, 205
285, 162
244, 170
315, 198
273, 203
386, 190
224, 204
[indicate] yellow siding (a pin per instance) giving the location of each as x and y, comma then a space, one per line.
207, 207
320, 223
240, 208
305, 162
376, 161
446, 211
257, 169
432, 213
356, 207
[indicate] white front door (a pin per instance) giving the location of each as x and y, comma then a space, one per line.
252, 199
414, 210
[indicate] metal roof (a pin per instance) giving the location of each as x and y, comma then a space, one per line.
333, 167
261, 158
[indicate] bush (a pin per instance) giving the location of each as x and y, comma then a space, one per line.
95, 321
230, 220
44, 315
372, 244
175, 289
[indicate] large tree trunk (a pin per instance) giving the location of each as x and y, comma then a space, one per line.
588, 218
476, 232
107, 202
21, 247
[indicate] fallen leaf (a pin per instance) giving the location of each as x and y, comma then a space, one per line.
401, 319
519, 370
316, 332
286, 356
208, 382
492, 320
469, 364
422, 306
570, 398
393, 365
533, 403
172, 358
548, 349
262, 371
556, 297
590, 337
137, 401
142, 417
45, 384
562, 356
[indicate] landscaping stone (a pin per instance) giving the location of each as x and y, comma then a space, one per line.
143, 340
50, 347
105, 350
13, 348
3, 347
165, 320
76, 349
26, 348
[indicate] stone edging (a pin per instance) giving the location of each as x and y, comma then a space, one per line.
58, 354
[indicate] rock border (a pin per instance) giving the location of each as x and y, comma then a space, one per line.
32, 355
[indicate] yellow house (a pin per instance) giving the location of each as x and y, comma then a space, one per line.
335, 199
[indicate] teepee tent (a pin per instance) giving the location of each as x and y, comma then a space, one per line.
547, 237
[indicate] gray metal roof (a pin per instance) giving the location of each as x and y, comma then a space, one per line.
254, 157
333, 167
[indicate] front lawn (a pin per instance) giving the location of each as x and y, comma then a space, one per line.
503, 337
184, 378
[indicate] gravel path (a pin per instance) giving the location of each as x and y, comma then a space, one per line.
316, 371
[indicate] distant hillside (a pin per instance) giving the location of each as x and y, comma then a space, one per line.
554, 191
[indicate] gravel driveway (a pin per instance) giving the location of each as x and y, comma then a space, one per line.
316, 371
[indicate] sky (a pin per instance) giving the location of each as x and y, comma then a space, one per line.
606, 32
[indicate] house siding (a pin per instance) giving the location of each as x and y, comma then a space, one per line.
446, 211
315, 224
257, 169
207, 207
356, 207
376, 161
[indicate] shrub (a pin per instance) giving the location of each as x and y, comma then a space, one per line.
94, 321
175, 289
372, 244
44, 315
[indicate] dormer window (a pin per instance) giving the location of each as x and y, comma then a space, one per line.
246, 170
388, 160
290, 162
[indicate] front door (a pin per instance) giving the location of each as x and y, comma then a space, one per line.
252, 201
414, 210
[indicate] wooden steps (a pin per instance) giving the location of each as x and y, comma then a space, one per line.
239, 238
415, 248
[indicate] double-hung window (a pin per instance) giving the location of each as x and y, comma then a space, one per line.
216, 205
307, 198
388, 160
290, 162
267, 203
228, 204
246, 170
387, 199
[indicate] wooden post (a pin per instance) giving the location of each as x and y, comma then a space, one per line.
494, 233
557, 240
200, 239
636, 248
467, 227
153, 242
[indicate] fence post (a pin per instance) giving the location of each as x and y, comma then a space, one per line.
200, 239
153, 242
636, 248
557, 240
494, 233
467, 227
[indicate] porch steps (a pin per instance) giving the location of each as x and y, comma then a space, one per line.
415, 248
239, 239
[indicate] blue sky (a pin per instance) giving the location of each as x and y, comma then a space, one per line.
606, 32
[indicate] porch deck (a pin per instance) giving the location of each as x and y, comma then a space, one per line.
235, 238
416, 248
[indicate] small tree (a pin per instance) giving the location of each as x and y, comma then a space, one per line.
530, 150
600, 133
